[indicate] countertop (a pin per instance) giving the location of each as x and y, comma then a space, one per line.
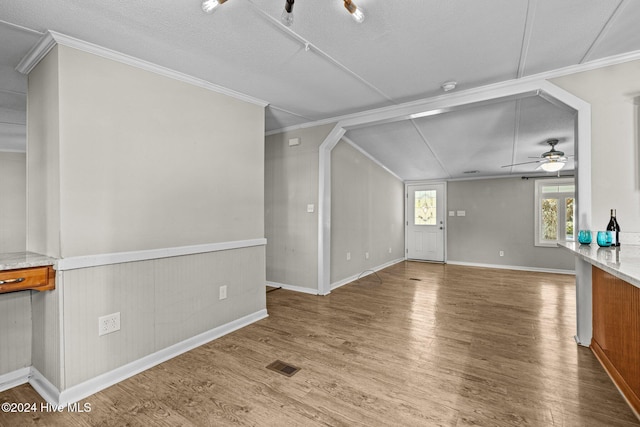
622, 261
15, 260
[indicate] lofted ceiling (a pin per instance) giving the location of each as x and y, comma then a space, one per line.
325, 65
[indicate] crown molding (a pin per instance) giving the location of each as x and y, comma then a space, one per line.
35, 55
370, 157
52, 38
546, 75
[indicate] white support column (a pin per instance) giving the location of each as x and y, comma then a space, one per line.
513, 89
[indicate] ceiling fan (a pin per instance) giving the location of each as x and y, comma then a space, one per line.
550, 161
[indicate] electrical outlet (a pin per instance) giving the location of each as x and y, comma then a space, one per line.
366, 255
389, 250
501, 253
223, 292
109, 323
348, 256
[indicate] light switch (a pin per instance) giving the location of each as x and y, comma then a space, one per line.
294, 141
462, 213
311, 208
452, 213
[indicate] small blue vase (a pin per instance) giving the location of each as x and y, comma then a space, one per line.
584, 237
604, 238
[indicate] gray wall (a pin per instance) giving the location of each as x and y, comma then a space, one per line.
367, 214
15, 331
499, 216
13, 202
291, 183
43, 158
121, 159
15, 308
161, 302
148, 162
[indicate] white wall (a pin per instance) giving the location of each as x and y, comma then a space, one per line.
148, 162
291, 183
367, 214
15, 331
43, 158
615, 147
120, 160
161, 302
499, 217
13, 202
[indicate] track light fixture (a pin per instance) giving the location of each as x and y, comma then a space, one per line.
287, 13
209, 6
356, 13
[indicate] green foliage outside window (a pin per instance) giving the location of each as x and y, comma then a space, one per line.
569, 226
550, 219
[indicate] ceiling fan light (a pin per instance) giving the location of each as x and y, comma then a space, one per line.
356, 13
209, 6
552, 166
287, 14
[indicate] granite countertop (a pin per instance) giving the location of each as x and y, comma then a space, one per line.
622, 261
15, 260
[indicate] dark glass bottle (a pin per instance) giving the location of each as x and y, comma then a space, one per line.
614, 228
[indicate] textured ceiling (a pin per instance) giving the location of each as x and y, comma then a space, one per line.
325, 65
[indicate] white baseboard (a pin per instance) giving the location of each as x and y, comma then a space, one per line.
310, 291
348, 280
83, 390
43, 386
512, 267
14, 378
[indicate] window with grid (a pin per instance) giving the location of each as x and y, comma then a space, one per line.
555, 206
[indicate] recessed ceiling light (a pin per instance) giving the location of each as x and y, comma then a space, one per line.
447, 86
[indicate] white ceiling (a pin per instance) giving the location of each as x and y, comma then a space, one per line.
402, 52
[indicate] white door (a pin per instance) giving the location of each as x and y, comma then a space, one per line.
425, 222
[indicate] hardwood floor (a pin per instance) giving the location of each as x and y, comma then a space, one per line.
431, 345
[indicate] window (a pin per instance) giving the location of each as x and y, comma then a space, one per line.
555, 205
425, 205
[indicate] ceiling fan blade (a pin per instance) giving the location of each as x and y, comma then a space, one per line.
518, 164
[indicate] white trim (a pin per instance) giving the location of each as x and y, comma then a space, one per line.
43, 386
562, 214
86, 261
370, 157
513, 267
36, 53
83, 390
51, 38
546, 75
445, 103
324, 208
368, 272
20, 27
294, 288
444, 214
14, 378
4, 150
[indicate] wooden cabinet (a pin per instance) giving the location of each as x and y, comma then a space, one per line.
36, 278
616, 332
